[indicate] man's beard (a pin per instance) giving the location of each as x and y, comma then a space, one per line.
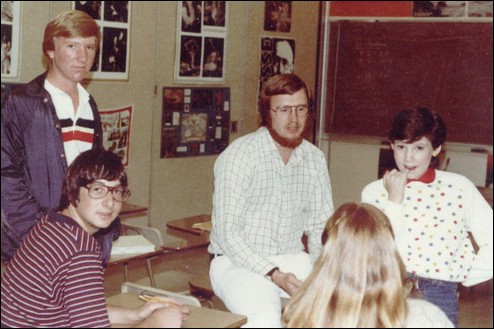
285, 142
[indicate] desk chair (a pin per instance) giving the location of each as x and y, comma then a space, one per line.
161, 280
150, 233
200, 287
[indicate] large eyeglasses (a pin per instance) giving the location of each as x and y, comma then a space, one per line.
99, 191
284, 111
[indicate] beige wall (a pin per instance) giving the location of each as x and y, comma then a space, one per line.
180, 187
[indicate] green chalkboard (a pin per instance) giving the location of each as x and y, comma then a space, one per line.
379, 68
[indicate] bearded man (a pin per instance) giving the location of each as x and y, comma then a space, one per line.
271, 187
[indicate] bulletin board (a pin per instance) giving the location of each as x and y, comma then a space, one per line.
196, 121
379, 68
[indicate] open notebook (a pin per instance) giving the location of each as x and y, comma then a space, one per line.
132, 244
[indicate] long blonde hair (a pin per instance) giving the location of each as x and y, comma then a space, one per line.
357, 280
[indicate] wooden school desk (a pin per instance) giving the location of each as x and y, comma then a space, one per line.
190, 238
125, 259
185, 224
170, 241
199, 317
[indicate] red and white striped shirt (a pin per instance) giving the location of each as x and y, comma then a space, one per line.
55, 279
77, 124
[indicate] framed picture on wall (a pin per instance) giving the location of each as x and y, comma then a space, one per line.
10, 38
116, 131
196, 121
277, 56
278, 16
201, 35
113, 17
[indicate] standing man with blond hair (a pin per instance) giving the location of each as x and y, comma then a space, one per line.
45, 125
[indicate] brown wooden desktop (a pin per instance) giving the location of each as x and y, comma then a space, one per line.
191, 238
199, 317
186, 224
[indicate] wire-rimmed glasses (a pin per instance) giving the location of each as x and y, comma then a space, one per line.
284, 111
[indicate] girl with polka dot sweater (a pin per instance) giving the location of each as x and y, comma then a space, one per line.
432, 213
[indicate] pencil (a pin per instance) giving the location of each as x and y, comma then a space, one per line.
160, 299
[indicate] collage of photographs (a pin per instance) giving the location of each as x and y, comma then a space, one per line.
112, 60
202, 38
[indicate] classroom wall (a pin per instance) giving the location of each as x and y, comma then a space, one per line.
184, 187
353, 161
175, 187
180, 187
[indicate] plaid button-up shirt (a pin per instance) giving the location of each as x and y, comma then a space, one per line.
262, 206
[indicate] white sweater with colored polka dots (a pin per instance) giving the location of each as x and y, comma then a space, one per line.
431, 227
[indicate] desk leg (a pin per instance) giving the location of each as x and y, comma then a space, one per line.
126, 272
150, 273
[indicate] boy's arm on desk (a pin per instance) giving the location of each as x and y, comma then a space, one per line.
149, 315
199, 317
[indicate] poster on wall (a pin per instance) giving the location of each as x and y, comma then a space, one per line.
195, 121
112, 58
10, 38
277, 56
201, 45
116, 131
278, 16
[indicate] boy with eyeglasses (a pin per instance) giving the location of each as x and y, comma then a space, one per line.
271, 186
55, 279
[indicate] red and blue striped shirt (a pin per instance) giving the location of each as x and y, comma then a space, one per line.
55, 279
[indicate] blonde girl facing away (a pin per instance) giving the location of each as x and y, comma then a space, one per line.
358, 280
